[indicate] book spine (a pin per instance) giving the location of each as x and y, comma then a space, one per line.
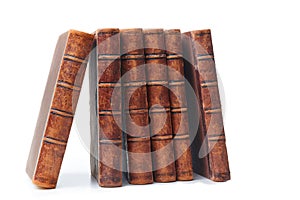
179, 111
135, 107
109, 108
205, 84
160, 116
58, 108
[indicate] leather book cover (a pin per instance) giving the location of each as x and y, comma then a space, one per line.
58, 108
178, 103
208, 148
159, 106
105, 108
135, 104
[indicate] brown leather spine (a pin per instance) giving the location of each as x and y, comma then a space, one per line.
109, 160
158, 94
136, 107
179, 111
202, 76
58, 108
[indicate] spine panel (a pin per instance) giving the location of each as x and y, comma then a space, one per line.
109, 108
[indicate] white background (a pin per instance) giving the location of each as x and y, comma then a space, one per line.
256, 47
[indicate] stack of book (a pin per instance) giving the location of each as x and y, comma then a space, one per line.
155, 111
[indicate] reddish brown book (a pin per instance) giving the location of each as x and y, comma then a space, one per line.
179, 111
105, 102
208, 148
58, 108
136, 120
160, 117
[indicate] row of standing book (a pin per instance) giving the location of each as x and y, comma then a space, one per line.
155, 111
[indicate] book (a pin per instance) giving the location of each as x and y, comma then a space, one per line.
105, 108
178, 104
135, 104
209, 151
159, 106
58, 108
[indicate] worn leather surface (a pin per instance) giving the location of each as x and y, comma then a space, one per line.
178, 104
109, 142
136, 108
158, 93
201, 73
58, 108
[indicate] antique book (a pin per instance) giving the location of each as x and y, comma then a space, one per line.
178, 103
208, 148
105, 108
58, 108
159, 106
135, 104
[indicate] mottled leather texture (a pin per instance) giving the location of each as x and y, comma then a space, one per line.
58, 108
201, 72
106, 146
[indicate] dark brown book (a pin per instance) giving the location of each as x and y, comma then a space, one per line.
208, 148
160, 116
179, 111
136, 117
105, 102
58, 108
